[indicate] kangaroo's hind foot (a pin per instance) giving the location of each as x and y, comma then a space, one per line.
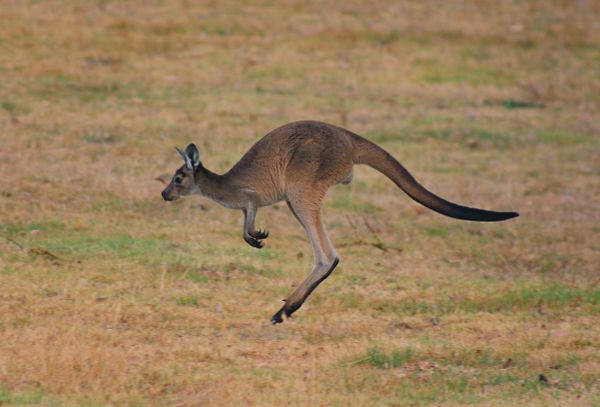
297, 298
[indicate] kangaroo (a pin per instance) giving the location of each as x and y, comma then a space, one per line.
297, 163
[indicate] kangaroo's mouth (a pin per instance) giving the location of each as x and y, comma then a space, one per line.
167, 197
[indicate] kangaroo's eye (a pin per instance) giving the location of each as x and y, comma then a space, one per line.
177, 180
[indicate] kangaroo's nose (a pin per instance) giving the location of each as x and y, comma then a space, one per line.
165, 196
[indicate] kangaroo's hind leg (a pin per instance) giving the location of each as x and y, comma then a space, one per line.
308, 212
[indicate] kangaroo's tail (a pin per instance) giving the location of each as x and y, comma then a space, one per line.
371, 154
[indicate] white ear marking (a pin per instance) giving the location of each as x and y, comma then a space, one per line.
185, 158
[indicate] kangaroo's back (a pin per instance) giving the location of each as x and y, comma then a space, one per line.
304, 152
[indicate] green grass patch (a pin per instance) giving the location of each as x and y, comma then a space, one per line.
477, 52
346, 200
471, 136
383, 38
267, 253
440, 374
555, 294
15, 229
476, 75
520, 104
497, 379
188, 300
74, 89
123, 246
387, 136
107, 201
494, 299
437, 374
246, 268
8, 270
68, 244
27, 397
512, 104
198, 277
437, 231
8, 105
561, 137
382, 360
475, 357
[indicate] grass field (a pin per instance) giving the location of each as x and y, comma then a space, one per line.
110, 296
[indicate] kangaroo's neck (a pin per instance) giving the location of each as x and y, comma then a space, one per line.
217, 188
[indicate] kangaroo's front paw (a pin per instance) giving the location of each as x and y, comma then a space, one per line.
253, 242
260, 234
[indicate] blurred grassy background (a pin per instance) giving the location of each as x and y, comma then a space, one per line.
110, 296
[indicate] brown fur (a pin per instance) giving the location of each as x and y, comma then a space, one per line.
298, 163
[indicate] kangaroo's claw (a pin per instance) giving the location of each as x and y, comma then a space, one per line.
254, 242
260, 234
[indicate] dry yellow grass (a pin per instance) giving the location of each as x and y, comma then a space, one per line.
109, 296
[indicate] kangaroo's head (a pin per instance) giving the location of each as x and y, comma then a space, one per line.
183, 182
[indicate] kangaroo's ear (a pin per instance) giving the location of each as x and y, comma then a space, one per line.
193, 154
185, 158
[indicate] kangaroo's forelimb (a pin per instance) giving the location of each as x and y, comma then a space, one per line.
252, 236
